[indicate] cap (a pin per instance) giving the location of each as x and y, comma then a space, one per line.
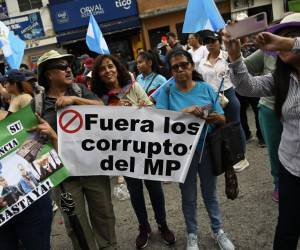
208, 34
15, 75
292, 20
29, 75
84, 56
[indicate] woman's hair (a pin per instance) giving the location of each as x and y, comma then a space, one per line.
180, 52
150, 56
153, 56
19, 85
281, 77
197, 36
98, 86
283, 72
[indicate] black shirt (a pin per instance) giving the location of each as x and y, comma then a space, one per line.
49, 110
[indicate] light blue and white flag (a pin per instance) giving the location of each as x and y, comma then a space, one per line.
94, 38
200, 15
155, 93
12, 46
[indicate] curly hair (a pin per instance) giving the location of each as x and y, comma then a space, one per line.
98, 86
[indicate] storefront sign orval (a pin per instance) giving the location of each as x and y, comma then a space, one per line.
73, 14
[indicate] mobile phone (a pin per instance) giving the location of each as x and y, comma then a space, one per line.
248, 26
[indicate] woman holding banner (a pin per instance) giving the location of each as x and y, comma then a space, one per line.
188, 93
114, 85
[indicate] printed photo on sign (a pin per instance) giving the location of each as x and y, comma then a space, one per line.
47, 165
29, 166
16, 179
19, 177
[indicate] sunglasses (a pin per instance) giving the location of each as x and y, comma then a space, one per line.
59, 66
182, 65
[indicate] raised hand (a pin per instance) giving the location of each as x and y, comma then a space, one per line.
45, 128
271, 42
233, 46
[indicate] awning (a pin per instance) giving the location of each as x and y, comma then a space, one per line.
107, 28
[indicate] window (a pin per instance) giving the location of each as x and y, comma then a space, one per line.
29, 4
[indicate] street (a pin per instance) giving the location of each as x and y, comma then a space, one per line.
249, 220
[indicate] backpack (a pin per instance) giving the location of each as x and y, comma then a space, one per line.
39, 93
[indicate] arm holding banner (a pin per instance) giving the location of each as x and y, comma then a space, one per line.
64, 101
45, 128
2, 203
198, 111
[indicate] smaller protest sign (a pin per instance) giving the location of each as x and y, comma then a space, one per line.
29, 166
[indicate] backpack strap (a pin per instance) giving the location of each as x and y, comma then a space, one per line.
76, 88
155, 75
39, 93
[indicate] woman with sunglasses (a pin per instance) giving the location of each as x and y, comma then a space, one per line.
188, 93
284, 84
149, 77
213, 68
113, 83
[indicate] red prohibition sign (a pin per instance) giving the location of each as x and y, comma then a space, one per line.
76, 115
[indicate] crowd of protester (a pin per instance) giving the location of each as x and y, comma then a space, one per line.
269, 83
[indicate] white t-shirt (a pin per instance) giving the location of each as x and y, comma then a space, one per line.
212, 73
198, 55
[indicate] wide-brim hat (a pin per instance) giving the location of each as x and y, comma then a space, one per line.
292, 20
48, 57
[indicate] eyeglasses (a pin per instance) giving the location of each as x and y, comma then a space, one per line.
182, 65
59, 66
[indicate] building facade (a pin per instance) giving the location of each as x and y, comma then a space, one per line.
118, 20
126, 24
273, 8
161, 16
30, 20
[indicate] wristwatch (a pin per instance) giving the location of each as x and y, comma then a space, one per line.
296, 47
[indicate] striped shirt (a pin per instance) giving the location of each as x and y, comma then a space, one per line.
289, 149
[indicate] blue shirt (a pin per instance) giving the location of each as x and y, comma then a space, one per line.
202, 94
145, 81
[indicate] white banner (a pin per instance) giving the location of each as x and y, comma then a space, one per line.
144, 143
